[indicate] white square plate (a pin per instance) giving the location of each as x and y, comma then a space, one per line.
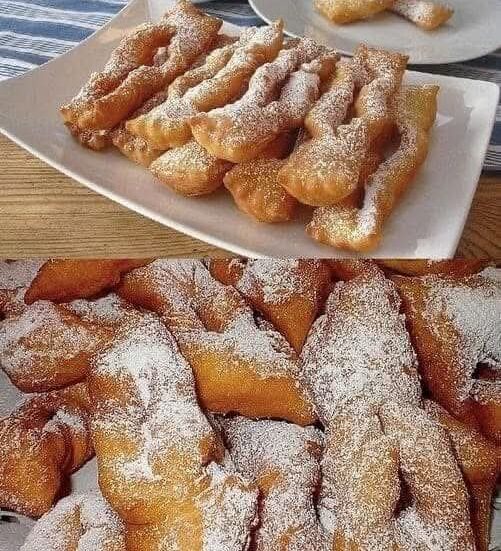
428, 223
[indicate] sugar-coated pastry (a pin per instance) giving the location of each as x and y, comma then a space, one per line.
283, 460
390, 478
151, 439
239, 131
42, 441
240, 365
457, 267
456, 328
289, 293
480, 464
81, 522
66, 280
222, 517
132, 74
347, 11
360, 229
423, 13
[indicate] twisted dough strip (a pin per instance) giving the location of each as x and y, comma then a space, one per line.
424, 14
220, 518
239, 365
220, 80
479, 461
239, 131
347, 11
348, 227
289, 293
332, 164
369, 399
78, 522
147, 467
456, 327
41, 442
283, 460
130, 77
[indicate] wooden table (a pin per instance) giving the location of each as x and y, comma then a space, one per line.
44, 213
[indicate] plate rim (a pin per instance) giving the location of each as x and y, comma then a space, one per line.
490, 90
460, 59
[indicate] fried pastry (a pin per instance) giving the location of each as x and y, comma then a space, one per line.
15, 277
240, 365
347, 11
289, 293
330, 166
360, 229
279, 96
41, 442
148, 467
456, 327
390, 479
347, 269
283, 460
191, 170
222, 517
66, 280
220, 80
479, 461
457, 267
79, 522
131, 76
424, 14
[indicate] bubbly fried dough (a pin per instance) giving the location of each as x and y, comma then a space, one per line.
77, 522
65, 280
240, 365
360, 229
279, 96
220, 80
424, 14
41, 442
479, 461
131, 76
289, 293
347, 11
456, 327
148, 467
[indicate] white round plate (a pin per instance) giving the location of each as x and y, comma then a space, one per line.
473, 31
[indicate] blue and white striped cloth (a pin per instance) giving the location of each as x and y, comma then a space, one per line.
35, 31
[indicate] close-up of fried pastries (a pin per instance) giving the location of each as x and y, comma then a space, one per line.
244, 404
425, 14
284, 127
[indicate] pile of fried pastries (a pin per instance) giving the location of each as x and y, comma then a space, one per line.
283, 124
269, 405
426, 14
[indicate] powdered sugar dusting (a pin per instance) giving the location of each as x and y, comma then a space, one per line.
18, 273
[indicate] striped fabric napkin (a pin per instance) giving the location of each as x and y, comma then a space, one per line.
35, 31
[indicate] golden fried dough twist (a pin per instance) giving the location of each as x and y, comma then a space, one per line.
147, 467
41, 442
279, 96
130, 77
221, 517
390, 478
347, 11
289, 293
283, 460
424, 14
220, 80
240, 365
78, 522
329, 167
360, 229
456, 327
480, 464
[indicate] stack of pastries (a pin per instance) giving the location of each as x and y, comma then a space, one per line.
269, 405
283, 124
